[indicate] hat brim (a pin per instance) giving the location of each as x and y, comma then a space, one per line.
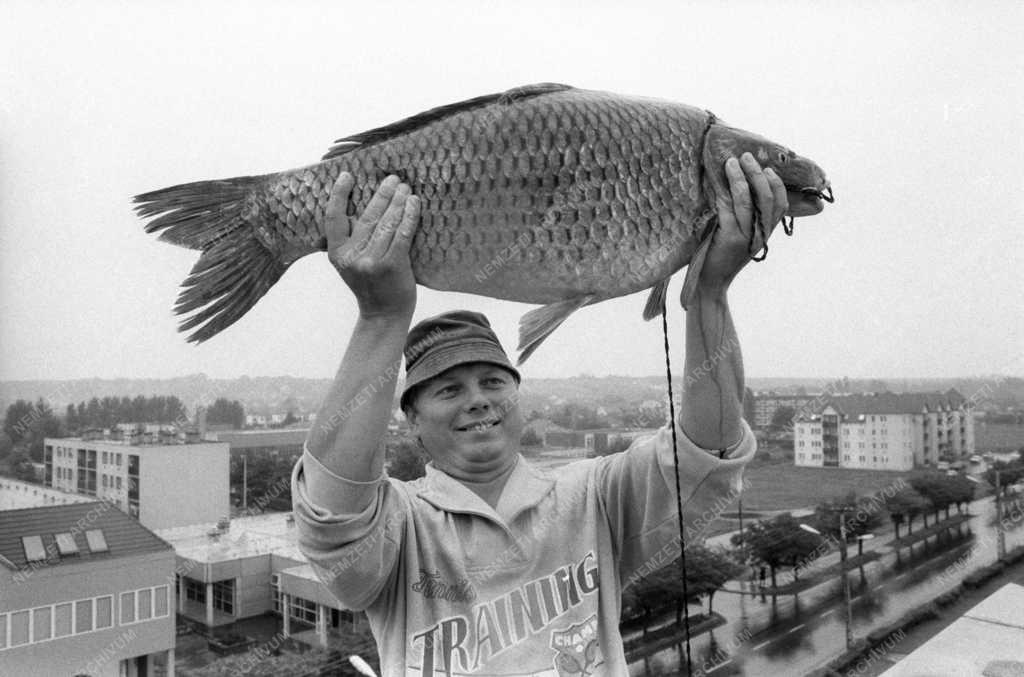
444, 358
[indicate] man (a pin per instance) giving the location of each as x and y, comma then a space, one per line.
487, 565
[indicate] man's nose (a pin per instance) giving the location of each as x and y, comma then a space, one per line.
478, 398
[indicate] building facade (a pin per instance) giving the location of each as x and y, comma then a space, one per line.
885, 431
84, 590
158, 479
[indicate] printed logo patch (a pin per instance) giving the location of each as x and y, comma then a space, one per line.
578, 652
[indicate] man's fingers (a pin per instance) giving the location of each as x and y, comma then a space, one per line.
388, 222
375, 210
406, 229
335, 218
762, 197
741, 204
780, 201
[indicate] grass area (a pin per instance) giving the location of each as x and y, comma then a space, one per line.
779, 485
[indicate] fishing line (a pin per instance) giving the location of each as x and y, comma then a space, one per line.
679, 495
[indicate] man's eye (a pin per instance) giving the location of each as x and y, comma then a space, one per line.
447, 391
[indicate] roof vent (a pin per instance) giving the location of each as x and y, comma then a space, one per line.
34, 551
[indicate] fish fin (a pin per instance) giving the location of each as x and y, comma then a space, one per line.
696, 265
656, 301
537, 325
235, 268
410, 124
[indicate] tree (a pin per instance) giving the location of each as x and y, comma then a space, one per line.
783, 418
778, 542
530, 438
707, 570
21, 467
289, 419
405, 460
905, 504
942, 490
860, 515
1009, 473
226, 412
18, 421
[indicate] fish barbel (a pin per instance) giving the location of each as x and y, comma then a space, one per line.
544, 194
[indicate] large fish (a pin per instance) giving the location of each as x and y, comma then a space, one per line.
544, 194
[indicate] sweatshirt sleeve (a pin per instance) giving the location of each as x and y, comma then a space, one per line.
638, 489
354, 554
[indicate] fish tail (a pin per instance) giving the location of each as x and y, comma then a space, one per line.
235, 269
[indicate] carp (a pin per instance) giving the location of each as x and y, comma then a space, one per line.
543, 194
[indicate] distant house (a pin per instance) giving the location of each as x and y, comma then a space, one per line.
766, 404
885, 431
86, 590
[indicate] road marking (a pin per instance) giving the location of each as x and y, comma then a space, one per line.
826, 613
792, 630
720, 665
762, 644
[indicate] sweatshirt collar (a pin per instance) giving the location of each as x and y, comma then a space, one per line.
525, 488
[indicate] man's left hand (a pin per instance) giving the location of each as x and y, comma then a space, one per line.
731, 248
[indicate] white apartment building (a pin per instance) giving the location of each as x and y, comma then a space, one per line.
158, 479
885, 431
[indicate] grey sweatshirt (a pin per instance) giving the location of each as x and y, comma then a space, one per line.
454, 587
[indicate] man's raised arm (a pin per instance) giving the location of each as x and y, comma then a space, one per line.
712, 409
374, 262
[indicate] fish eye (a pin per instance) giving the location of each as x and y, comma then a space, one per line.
783, 158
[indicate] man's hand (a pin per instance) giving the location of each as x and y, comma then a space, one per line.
374, 260
731, 249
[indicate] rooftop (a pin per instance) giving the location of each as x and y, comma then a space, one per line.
984, 641
265, 534
246, 439
893, 403
15, 494
76, 523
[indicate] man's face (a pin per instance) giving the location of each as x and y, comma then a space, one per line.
468, 419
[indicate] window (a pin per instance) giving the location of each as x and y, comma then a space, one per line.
224, 596
195, 591
33, 548
106, 458
145, 603
83, 616
62, 620
118, 480
104, 612
118, 462
303, 610
160, 606
3, 631
96, 540
105, 482
41, 624
127, 607
19, 628
66, 544
275, 581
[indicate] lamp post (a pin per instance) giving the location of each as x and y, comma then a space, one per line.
846, 581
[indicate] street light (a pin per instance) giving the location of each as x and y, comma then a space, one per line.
842, 572
1000, 534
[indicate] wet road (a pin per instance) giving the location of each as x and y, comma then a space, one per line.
790, 637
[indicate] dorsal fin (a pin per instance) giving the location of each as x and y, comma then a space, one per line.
342, 146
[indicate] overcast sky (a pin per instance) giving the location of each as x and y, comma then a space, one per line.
914, 109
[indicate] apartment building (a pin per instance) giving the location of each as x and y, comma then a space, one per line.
162, 479
767, 403
885, 431
84, 590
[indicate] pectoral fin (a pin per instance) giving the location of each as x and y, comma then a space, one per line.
537, 325
656, 300
696, 266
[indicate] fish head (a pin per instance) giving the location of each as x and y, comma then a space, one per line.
807, 186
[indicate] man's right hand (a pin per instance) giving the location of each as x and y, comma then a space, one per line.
374, 260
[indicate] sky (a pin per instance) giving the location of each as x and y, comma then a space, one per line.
913, 109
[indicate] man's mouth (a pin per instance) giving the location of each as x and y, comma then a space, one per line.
479, 426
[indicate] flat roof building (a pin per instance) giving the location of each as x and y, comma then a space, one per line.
156, 478
251, 566
84, 589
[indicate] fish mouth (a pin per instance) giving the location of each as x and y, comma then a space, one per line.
479, 426
808, 201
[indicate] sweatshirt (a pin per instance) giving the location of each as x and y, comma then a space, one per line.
531, 587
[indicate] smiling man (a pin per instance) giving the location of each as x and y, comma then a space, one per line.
488, 566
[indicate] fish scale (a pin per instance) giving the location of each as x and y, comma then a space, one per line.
543, 194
